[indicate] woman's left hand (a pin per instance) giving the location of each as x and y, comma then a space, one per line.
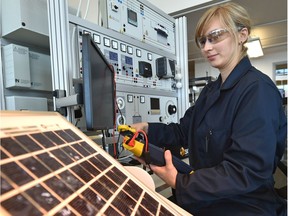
168, 172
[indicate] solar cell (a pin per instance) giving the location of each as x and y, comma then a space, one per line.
49, 167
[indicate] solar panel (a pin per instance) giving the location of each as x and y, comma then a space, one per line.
49, 167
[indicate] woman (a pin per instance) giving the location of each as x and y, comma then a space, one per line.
235, 133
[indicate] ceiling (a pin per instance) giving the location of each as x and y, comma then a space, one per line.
269, 22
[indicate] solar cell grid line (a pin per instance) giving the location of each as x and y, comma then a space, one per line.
67, 210
133, 189
27, 143
27, 154
31, 164
164, 212
105, 187
43, 140
124, 203
142, 211
81, 205
23, 176
112, 174
5, 186
136, 192
20, 144
64, 136
72, 180
42, 196
79, 173
74, 155
96, 199
63, 192
119, 189
16, 173
19, 205
27, 179
92, 202
60, 171
101, 162
71, 165
150, 203
88, 147
37, 197
90, 168
75, 191
80, 149
129, 199
55, 138
2, 154
12, 146
49, 161
35, 166
111, 211
86, 165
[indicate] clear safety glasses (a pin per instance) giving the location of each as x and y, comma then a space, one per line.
213, 37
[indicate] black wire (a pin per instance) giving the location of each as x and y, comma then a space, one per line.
103, 140
76, 122
117, 143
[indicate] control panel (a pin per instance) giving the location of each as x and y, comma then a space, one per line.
134, 66
133, 108
145, 79
141, 21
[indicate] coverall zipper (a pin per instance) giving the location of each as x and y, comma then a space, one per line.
207, 138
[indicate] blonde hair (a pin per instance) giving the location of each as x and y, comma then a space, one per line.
233, 16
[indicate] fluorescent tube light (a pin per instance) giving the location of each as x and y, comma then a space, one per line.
254, 48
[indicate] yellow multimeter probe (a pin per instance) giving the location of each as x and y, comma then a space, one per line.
131, 141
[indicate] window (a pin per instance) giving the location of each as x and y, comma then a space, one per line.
281, 73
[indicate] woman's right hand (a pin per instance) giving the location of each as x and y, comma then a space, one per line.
140, 126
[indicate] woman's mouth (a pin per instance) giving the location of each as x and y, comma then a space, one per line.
211, 57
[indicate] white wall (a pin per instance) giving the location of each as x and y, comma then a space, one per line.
265, 63
169, 6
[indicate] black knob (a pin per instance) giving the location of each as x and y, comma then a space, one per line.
172, 109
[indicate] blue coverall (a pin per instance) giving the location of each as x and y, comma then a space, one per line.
236, 134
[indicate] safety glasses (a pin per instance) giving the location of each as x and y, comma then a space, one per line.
213, 37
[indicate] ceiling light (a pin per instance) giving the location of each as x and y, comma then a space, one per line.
254, 48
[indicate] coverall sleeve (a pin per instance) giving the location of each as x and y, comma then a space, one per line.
163, 135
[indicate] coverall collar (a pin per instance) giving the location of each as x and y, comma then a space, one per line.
239, 71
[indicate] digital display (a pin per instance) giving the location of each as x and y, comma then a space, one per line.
113, 56
132, 17
155, 103
155, 106
128, 60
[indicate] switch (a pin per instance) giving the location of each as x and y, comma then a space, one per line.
114, 7
172, 109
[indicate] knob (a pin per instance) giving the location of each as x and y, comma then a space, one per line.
172, 109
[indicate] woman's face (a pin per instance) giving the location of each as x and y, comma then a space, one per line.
219, 47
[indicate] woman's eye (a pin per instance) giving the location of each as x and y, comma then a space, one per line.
215, 37
202, 41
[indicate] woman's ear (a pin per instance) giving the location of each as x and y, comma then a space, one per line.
243, 35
